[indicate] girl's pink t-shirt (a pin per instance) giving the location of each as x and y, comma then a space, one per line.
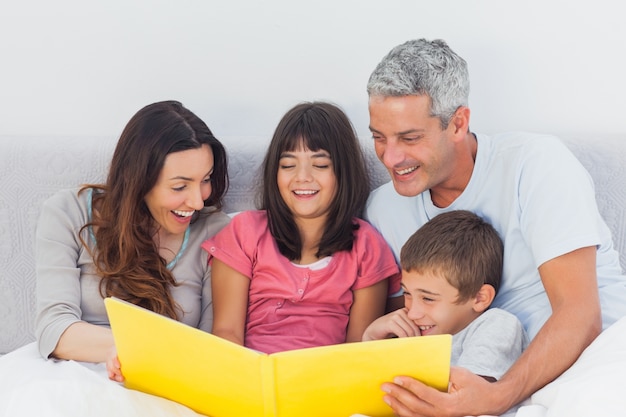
291, 307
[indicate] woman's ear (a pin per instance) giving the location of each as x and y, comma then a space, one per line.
484, 298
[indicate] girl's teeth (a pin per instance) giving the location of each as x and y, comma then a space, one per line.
305, 192
183, 213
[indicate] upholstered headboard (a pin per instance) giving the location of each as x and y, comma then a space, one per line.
33, 168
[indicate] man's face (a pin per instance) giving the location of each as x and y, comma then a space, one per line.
418, 154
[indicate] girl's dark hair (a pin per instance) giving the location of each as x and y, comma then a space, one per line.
126, 256
317, 126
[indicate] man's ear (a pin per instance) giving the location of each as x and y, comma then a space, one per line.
460, 121
484, 298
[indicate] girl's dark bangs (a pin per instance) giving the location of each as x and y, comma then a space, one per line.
304, 135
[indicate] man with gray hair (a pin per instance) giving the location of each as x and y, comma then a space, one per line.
561, 274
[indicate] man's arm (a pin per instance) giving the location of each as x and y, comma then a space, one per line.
571, 285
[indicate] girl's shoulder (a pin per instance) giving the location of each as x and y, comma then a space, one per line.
249, 217
365, 229
248, 223
367, 236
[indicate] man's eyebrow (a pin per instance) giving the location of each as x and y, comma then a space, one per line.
404, 132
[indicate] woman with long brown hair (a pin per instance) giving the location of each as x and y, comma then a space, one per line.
136, 237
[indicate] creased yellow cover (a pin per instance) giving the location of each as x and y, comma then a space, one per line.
218, 378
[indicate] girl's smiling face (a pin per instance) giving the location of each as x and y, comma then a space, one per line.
184, 184
307, 183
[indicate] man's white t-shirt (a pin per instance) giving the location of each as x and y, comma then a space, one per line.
541, 201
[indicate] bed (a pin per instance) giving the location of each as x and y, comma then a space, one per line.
32, 168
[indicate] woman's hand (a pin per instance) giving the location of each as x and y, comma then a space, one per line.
114, 368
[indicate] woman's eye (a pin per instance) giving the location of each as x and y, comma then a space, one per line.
181, 188
206, 180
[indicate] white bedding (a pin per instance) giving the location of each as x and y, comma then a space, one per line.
592, 386
32, 386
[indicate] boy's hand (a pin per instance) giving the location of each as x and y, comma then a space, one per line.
394, 324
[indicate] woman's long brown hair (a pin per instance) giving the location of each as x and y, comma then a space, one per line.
125, 254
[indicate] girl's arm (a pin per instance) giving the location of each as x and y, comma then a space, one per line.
230, 302
368, 305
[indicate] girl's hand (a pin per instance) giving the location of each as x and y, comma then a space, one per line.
397, 323
114, 368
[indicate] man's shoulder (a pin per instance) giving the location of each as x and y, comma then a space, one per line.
383, 189
519, 138
381, 197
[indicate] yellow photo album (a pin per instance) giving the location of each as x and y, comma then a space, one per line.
218, 378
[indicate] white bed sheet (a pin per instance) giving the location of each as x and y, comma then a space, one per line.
32, 386
592, 386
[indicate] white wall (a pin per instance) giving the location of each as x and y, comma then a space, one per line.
83, 67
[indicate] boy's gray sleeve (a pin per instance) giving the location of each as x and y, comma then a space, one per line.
490, 344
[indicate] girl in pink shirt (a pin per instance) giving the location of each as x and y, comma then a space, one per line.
304, 270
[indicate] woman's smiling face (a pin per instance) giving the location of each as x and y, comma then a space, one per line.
183, 185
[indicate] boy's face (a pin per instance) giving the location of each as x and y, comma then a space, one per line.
431, 304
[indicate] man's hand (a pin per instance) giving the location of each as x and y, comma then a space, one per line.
466, 392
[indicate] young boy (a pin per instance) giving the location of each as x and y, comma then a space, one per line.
451, 270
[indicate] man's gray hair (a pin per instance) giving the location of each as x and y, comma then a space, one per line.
422, 67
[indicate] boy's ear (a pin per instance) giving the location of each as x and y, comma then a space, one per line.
484, 297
